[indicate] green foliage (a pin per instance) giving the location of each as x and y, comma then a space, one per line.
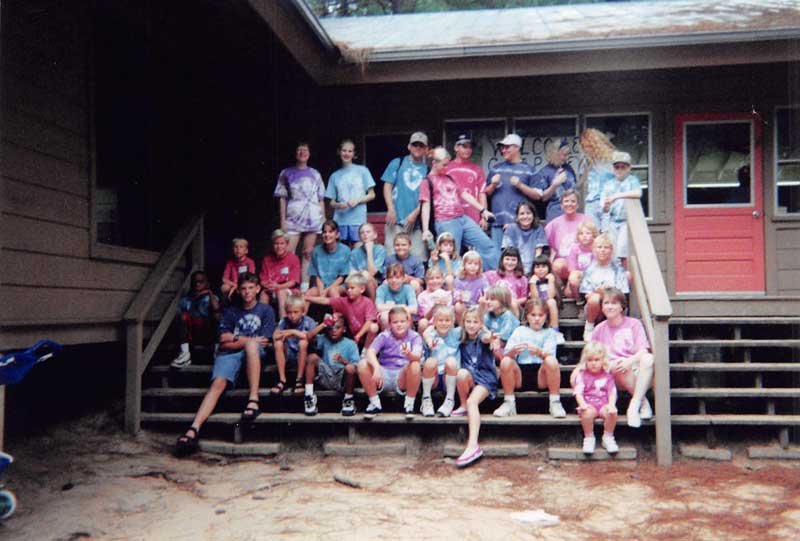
354, 8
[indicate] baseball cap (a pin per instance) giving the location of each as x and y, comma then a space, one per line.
621, 157
463, 138
418, 137
512, 139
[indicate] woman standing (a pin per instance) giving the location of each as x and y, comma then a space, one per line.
302, 202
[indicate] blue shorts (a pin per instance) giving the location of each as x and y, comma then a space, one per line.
349, 233
228, 365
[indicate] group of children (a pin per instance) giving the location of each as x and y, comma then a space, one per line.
399, 323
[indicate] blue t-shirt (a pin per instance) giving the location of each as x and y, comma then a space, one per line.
446, 346
545, 177
344, 347
506, 197
329, 266
455, 265
258, 321
405, 296
305, 324
478, 359
502, 325
545, 339
411, 264
405, 175
594, 183
358, 258
526, 241
346, 184
616, 212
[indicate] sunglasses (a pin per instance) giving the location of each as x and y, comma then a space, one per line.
621, 166
418, 145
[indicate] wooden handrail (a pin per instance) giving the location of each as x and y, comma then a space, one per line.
652, 298
190, 237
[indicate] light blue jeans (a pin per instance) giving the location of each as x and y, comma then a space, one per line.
465, 228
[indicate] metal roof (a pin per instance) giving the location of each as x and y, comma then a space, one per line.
561, 28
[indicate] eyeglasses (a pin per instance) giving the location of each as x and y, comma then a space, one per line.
621, 166
418, 145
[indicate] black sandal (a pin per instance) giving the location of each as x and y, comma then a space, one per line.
278, 389
250, 414
186, 444
299, 388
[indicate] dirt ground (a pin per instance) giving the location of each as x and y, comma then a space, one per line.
87, 480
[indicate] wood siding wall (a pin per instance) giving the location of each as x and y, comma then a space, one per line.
50, 285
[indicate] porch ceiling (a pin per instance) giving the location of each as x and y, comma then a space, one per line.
535, 41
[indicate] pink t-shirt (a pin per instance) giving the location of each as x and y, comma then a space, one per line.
578, 259
357, 313
561, 233
285, 269
517, 285
234, 268
623, 341
446, 198
427, 299
595, 388
470, 178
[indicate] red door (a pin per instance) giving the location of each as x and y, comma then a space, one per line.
719, 229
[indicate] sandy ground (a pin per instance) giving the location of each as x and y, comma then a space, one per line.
87, 480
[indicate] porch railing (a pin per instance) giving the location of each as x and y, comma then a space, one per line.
650, 295
187, 247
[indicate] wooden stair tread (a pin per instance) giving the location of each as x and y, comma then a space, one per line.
743, 342
734, 367
736, 419
735, 320
162, 392
723, 392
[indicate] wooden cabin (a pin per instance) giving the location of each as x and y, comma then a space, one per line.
123, 123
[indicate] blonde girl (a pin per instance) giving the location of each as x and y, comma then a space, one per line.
498, 317
432, 297
476, 380
350, 188
442, 340
470, 282
581, 255
601, 274
596, 393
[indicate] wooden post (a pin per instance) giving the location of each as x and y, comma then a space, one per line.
134, 336
662, 393
198, 248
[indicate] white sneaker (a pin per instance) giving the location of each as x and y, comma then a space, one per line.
506, 409
557, 410
589, 443
426, 407
310, 405
183, 360
609, 444
460, 411
408, 408
446, 408
634, 420
645, 410
348, 407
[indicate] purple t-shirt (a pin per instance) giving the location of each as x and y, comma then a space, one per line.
303, 189
596, 389
469, 290
387, 348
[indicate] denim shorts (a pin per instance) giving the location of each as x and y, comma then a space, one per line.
228, 365
349, 233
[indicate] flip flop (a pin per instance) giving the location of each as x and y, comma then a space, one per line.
299, 388
186, 444
278, 389
250, 414
476, 455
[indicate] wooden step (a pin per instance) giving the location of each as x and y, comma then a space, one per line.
525, 419
734, 367
733, 420
743, 320
744, 342
735, 392
198, 369
170, 392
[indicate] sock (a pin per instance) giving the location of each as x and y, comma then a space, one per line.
450, 386
555, 397
427, 385
409, 401
606, 434
510, 398
348, 396
309, 389
185, 347
375, 400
